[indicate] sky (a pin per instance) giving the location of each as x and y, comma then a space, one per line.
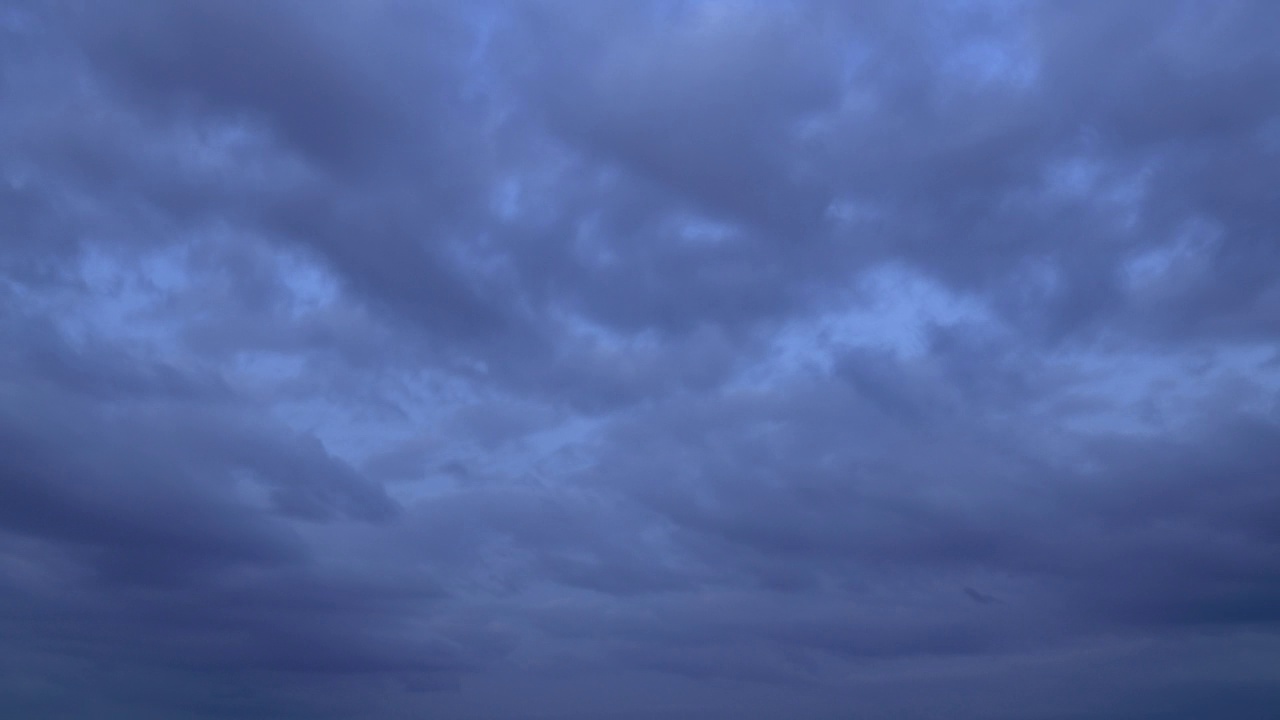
696, 360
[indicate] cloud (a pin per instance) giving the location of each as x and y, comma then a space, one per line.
489, 360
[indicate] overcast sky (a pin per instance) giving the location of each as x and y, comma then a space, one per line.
702, 360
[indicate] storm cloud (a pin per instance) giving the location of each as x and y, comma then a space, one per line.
671, 358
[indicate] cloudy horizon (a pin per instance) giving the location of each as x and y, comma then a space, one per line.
684, 359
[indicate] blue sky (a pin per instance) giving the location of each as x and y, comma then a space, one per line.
570, 360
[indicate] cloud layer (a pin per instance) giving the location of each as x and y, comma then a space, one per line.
650, 359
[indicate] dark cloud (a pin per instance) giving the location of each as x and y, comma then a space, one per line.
694, 359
